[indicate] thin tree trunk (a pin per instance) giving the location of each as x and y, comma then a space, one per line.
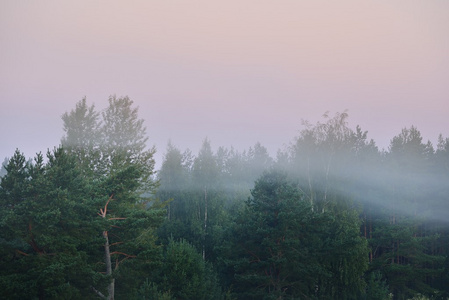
364, 226
370, 237
107, 257
168, 212
169, 197
310, 183
107, 253
327, 182
205, 223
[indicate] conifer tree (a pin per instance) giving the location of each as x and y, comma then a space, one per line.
46, 220
122, 169
283, 249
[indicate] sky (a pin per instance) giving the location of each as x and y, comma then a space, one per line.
237, 72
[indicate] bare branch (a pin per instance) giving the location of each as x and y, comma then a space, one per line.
105, 210
23, 253
116, 243
127, 255
98, 293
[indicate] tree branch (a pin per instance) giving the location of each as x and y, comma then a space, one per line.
104, 211
117, 252
116, 243
98, 293
23, 253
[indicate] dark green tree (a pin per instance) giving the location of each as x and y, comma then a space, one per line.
377, 288
403, 239
46, 220
186, 274
114, 157
68, 237
283, 249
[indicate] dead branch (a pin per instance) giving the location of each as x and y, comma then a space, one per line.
98, 293
118, 252
104, 211
116, 243
23, 253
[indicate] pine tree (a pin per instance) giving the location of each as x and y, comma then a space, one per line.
46, 219
284, 249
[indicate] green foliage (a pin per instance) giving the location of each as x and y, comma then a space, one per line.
345, 256
403, 257
64, 218
186, 274
285, 249
376, 287
44, 218
51, 231
82, 222
107, 146
149, 291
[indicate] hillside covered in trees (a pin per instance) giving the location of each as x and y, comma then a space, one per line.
330, 217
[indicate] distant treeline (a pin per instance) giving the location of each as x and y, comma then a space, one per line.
330, 217
398, 200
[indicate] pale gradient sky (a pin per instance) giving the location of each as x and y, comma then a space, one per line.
235, 71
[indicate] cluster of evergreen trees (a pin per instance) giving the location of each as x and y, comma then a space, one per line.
334, 217
331, 217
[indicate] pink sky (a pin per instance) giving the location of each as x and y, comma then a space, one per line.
237, 72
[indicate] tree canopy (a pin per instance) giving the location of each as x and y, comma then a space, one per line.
331, 217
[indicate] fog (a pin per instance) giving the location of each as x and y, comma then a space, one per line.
331, 163
228, 90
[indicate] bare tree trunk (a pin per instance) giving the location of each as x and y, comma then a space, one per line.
310, 183
107, 257
169, 197
168, 212
327, 181
107, 253
205, 223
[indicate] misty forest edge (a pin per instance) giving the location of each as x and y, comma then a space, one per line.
331, 217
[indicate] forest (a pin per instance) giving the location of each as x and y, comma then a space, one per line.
330, 217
